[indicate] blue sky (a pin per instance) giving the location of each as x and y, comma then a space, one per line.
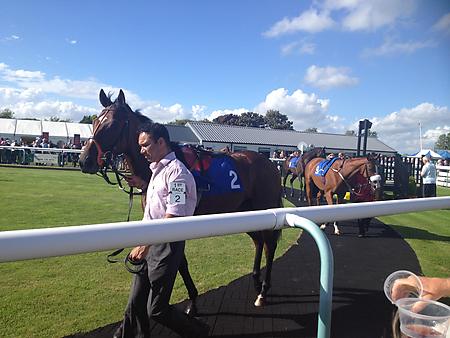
325, 64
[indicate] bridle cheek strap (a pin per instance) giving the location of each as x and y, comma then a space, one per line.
100, 158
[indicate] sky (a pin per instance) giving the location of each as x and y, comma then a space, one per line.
326, 64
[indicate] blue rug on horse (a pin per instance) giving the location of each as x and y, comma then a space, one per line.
220, 177
323, 167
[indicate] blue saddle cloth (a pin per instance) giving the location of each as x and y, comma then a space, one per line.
293, 162
323, 167
220, 177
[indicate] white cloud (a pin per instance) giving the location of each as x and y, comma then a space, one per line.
299, 47
371, 15
443, 24
310, 21
305, 110
329, 77
351, 15
12, 37
390, 47
72, 42
400, 129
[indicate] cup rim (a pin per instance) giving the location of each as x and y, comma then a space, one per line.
418, 315
388, 296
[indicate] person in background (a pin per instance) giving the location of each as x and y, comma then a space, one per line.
428, 174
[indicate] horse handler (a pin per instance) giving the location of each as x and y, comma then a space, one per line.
171, 192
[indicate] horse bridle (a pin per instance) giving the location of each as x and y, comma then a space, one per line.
361, 186
109, 160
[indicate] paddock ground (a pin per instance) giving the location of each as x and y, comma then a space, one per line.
360, 308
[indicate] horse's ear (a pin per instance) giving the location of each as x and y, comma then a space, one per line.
121, 98
104, 100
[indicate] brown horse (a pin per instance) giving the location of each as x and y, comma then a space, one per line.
344, 175
298, 170
115, 132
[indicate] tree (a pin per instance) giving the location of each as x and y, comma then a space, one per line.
229, 119
58, 119
7, 114
443, 142
180, 122
250, 119
350, 133
372, 133
311, 130
276, 120
88, 119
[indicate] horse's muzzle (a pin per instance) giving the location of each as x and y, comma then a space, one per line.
375, 181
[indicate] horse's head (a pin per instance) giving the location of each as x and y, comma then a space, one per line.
373, 174
110, 135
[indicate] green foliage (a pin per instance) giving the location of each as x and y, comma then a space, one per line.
311, 130
180, 122
443, 142
88, 119
350, 133
58, 119
7, 114
229, 119
412, 186
250, 119
276, 120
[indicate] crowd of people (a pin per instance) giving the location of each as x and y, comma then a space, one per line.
25, 155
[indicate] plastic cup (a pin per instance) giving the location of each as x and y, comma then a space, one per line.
421, 318
402, 284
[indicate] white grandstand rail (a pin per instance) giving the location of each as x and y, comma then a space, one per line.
443, 176
38, 243
43, 150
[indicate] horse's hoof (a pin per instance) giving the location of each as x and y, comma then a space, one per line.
323, 226
191, 309
259, 301
337, 233
292, 194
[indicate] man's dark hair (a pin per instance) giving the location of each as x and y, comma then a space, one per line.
157, 130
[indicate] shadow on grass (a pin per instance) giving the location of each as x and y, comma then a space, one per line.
414, 233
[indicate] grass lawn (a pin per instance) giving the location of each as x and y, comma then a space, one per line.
428, 233
58, 296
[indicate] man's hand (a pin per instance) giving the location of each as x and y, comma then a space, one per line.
136, 181
138, 253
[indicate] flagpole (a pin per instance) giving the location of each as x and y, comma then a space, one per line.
420, 135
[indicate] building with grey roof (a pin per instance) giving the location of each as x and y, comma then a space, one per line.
218, 136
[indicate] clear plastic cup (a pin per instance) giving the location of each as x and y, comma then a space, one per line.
421, 318
402, 284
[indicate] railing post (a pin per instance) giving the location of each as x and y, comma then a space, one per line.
326, 271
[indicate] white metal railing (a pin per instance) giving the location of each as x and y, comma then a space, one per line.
38, 243
26, 244
42, 150
443, 176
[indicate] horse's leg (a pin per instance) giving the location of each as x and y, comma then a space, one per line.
293, 177
183, 269
335, 224
270, 245
258, 241
301, 197
284, 182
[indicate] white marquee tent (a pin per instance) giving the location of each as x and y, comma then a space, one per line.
30, 129
429, 153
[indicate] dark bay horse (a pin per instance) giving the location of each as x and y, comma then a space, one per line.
115, 132
298, 170
357, 175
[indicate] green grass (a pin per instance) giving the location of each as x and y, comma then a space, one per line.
428, 233
58, 296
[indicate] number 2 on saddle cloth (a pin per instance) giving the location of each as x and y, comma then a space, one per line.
214, 173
